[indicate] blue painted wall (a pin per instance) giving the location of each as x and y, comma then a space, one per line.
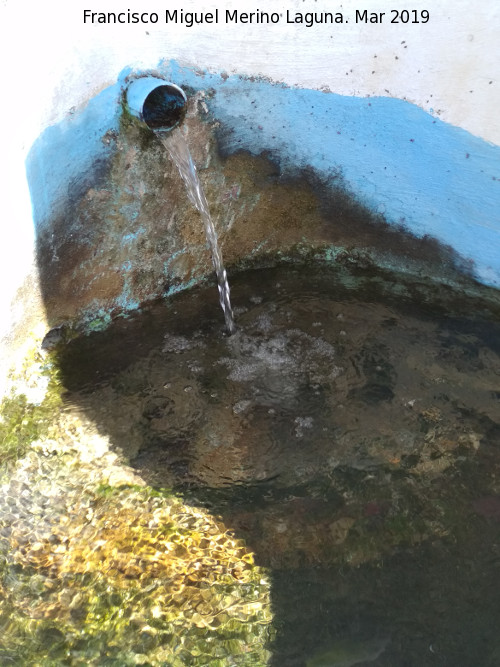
65, 160
418, 172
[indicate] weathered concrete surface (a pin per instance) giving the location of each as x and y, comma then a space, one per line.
445, 66
114, 227
127, 233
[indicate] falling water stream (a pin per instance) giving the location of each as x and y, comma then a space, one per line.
177, 148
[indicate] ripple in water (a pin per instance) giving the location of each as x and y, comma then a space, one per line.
350, 440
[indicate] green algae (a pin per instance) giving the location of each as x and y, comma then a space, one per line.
95, 573
397, 510
131, 577
23, 422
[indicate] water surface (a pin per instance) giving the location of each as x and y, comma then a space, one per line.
349, 432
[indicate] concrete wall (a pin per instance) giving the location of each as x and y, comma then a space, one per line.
400, 118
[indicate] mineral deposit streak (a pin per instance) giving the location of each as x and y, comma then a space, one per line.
176, 145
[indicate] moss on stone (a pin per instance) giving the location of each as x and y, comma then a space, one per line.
22, 422
131, 577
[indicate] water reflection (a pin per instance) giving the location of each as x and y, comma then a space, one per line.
348, 435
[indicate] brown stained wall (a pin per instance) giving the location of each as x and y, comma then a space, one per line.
135, 236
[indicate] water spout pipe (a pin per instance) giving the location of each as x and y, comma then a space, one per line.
159, 104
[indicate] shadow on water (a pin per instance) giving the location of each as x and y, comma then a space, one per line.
348, 432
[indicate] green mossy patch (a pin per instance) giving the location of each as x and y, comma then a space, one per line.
93, 573
23, 422
130, 577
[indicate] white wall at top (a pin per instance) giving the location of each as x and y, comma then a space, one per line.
447, 64
53, 62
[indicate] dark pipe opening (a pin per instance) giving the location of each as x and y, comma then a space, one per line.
164, 108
